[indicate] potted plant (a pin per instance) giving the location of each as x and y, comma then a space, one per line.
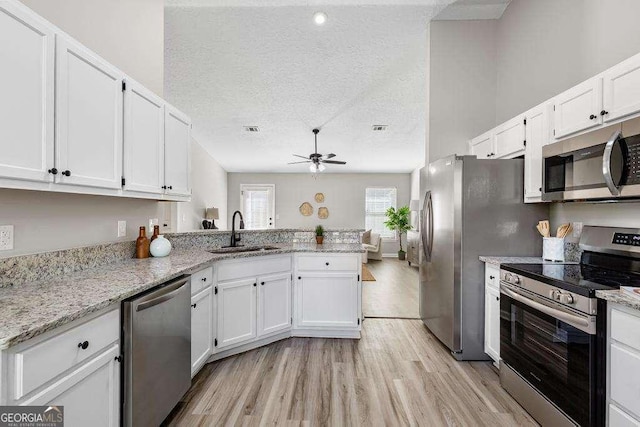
319, 234
398, 221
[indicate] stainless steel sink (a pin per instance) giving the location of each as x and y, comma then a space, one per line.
236, 249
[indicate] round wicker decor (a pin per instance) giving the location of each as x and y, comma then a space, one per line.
323, 213
319, 197
306, 209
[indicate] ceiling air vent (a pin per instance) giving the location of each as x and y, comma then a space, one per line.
252, 128
379, 128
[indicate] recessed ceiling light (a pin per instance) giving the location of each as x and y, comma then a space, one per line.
319, 18
252, 128
379, 128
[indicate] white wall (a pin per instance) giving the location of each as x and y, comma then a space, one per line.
129, 34
344, 197
415, 194
462, 85
209, 190
547, 46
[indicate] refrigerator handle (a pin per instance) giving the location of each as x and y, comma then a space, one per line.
427, 229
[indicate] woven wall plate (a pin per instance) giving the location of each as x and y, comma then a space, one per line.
323, 213
306, 209
319, 197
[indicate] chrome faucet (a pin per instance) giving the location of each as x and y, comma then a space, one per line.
235, 238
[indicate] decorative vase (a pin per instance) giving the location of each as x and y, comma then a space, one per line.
142, 244
156, 232
319, 239
402, 255
160, 247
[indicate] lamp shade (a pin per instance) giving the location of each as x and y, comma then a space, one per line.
414, 205
212, 213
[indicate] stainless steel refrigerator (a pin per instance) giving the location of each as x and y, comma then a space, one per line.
472, 207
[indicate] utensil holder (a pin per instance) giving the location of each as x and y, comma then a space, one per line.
553, 249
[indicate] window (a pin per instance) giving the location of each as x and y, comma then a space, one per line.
257, 206
376, 201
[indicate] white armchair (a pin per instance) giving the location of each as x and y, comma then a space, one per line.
373, 249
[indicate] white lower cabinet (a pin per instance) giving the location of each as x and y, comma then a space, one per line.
201, 328
76, 366
327, 300
623, 366
492, 312
236, 312
274, 303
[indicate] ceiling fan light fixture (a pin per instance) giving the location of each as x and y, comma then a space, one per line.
312, 168
321, 167
319, 18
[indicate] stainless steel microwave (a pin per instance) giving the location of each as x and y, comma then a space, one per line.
592, 167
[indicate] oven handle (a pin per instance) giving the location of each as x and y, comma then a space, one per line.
573, 320
606, 163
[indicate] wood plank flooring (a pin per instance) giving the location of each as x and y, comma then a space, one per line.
394, 294
398, 374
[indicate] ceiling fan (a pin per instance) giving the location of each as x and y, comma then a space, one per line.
316, 159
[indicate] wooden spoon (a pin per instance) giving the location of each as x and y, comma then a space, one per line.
544, 225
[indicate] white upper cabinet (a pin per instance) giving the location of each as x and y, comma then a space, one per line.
177, 151
88, 117
143, 139
510, 138
537, 136
621, 89
27, 94
578, 108
483, 146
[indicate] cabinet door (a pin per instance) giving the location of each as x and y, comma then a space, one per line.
27, 100
143, 139
622, 89
201, 329
88, 117
510, 138
327, 300
90, 395
274, 303
483, 146
537, 135
492, 323
177, 149
578, 108
236, 312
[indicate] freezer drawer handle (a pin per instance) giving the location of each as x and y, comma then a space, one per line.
173, 291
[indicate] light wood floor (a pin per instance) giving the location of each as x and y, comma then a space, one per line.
397, 374
394, 293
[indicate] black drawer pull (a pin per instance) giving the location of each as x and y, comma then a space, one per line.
204, 279
255, 284
593, 116
53, 171
604, 112
497, 298
66, 173
491, 277
83, 345
170, 187
262, 283
327, 263
194, 305
299, 278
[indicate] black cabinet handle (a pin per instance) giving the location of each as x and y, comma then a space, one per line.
604, 112
299, 278
255, 284
194, 305
83, 345
497, 298
492, 277
53, 171
170, 187
326, 263
118, 358
593, 116
262, 283
164, 187
204, 279
66, 173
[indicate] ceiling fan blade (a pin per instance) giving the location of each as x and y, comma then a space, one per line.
295, 163
302, 157
330, 155
333, 162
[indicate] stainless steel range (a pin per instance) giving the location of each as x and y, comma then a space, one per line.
552, 327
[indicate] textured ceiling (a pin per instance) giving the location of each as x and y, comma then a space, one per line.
230, 67
473, 9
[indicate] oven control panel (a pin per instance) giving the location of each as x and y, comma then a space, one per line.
626, 239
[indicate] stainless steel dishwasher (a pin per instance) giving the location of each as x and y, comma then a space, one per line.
156, 328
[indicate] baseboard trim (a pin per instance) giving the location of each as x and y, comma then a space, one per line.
389, 255
324, 333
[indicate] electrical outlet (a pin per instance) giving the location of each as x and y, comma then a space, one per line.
6, 237
152, 222
122, 228
577, 229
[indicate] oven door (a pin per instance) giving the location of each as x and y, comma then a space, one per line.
557, 357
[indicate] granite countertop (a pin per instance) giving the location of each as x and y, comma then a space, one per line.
619, 298
31, 309
497, 260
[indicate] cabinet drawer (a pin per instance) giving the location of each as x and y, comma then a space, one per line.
492, 276
251, 267
625, 378
619, 418
36, 365
328, 263
201, 279
625, 327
